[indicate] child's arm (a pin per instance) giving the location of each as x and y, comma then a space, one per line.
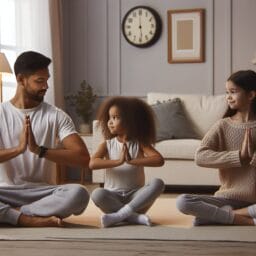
98, 160
212, 152
211, 158
150, 157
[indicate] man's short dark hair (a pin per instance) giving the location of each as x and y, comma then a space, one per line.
29, 62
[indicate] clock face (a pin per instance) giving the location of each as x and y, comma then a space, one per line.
141, 26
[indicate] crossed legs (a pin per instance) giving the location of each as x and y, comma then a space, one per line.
41, 206
128, 206
214, 210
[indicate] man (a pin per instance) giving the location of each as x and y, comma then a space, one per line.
29, 129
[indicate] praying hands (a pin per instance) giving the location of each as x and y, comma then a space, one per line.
247, 148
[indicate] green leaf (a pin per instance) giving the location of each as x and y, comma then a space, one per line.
82, 101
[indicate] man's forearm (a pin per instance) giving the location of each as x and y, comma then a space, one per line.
7, 154
68, 157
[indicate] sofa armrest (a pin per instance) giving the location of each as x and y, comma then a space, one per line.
97, 136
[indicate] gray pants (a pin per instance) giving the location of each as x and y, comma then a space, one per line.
208, 208
60, 201
139, 200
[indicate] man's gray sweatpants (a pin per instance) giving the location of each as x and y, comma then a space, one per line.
60, 201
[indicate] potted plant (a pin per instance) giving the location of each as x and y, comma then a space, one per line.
82, 102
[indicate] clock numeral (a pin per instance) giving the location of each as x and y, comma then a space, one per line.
129, 33
140, 12
146, 37
128, 26
134, 38
140, 39
150, 19
146, 14
152, 25
134, 14
130, 20
150, 32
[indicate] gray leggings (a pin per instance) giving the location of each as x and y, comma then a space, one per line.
139, 200
60, 201
208, 208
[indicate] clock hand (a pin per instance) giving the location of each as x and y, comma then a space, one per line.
140, 27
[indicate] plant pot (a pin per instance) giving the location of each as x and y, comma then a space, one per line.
85, 128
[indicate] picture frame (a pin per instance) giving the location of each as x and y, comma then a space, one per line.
186, 36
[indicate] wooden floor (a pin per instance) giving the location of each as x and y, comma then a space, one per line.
125, 248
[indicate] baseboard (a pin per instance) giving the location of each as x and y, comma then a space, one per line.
196, 189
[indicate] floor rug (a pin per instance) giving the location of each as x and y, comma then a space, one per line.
169, 224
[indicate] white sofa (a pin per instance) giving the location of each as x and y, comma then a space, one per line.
179, 168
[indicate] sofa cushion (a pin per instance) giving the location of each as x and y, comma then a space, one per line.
172, 122
203, 111
178, 149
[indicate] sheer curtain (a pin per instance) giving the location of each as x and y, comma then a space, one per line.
33, 32
37, 26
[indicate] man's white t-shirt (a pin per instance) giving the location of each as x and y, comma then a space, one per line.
48, 124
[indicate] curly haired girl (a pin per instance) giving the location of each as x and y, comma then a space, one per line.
128, 126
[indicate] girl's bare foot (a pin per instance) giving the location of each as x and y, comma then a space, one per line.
36, 221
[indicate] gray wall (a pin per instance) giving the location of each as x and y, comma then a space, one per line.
96, 50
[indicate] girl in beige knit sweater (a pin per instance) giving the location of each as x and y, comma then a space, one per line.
230, 147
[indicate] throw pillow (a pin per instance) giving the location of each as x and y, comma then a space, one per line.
172, 122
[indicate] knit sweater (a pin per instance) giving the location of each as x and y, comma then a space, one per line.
220, 149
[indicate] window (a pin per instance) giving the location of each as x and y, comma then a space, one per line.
24, 26
8, 44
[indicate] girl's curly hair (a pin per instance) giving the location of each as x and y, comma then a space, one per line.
137, 117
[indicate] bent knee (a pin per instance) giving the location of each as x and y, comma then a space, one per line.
78, 195
158, 185
83, 194
182, 203
98, 195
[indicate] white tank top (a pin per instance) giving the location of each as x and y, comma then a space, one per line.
125, 177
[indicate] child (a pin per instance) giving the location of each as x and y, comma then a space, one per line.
229, 146
128, 126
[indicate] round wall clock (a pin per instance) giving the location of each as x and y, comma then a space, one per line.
141, 26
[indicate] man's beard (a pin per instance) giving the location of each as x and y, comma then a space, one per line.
35, 97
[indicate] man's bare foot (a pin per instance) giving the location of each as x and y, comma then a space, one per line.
36, 221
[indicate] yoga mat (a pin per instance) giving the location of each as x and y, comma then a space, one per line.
169, 224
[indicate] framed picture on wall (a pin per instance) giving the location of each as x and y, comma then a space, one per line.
186, 36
